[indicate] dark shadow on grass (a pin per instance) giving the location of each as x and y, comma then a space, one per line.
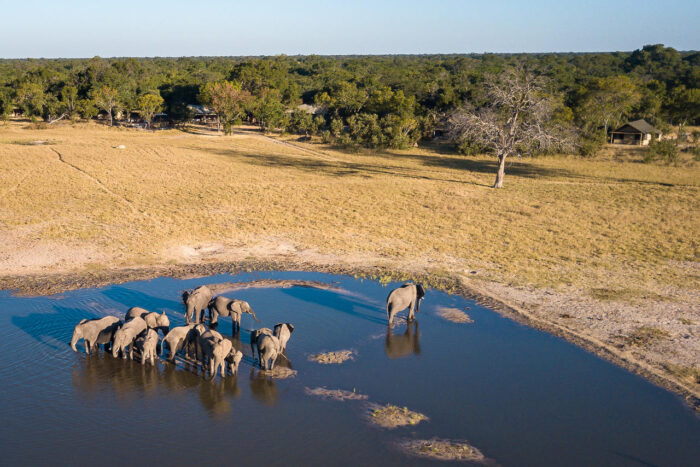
335, 168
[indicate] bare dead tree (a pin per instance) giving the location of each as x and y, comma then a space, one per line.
516, 119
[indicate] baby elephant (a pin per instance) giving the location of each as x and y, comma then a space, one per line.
126, 335
147, 344
283, 331
94, 332
229, 307
403, 297
234, 359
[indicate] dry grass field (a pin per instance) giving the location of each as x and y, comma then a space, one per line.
600, 247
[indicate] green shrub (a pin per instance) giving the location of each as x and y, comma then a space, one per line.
469, 148
666, 150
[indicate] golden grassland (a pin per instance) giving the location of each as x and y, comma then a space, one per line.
610, 227
597, 247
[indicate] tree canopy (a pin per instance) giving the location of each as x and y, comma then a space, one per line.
374, 101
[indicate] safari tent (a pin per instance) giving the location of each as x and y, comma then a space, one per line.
638, 132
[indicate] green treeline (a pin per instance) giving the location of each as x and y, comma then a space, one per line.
371, 101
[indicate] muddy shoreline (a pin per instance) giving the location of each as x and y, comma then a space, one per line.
56, 283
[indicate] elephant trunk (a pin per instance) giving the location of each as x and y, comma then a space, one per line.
252, 313
74, 340
116, 347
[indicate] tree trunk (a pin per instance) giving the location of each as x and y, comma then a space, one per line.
218, 124
501, 171
110, 117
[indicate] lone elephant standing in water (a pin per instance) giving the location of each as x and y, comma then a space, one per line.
405, 296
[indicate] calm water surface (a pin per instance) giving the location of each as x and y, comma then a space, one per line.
519, 395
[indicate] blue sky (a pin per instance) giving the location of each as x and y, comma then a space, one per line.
42, 28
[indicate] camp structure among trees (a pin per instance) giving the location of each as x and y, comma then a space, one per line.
201, 113
638, 132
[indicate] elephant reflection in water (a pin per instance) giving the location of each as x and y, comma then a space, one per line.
263, 387
216, 395
403, 345
262, 383
129, 379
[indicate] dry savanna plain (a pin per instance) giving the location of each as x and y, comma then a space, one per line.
603, 251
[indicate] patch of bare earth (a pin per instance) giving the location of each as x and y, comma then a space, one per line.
391, 416
331, 358
335, 394
655, 336
455, 315
442, 449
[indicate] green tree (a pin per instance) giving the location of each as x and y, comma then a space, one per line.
107, 99
269, 111
607, 103
69, 101
227, 99
149, 105
684, 106
31, 98
301, 122
87, 109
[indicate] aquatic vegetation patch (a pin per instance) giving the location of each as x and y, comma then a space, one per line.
442, 449
336, 394
392, 416
455, 315
279, 372
333, 358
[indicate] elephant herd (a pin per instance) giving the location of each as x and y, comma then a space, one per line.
139, 331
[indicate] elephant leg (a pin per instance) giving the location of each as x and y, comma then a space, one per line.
87, 350
411, 316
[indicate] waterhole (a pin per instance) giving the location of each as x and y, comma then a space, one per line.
518, 395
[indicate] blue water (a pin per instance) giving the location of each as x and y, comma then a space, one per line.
521, 396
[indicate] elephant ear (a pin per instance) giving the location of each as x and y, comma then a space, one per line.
83, 321
290, 326
419, 291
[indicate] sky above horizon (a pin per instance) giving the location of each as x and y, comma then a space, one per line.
50, 29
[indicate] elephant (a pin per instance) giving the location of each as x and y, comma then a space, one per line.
176, 339
398, 346
94, 332
254, 334
283, 331
196, 301
159, 322
126, 335
269, 348
234, 359
401, 298
147, 344
223, 306
199, 333
215, 349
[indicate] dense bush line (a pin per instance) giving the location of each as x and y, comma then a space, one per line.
372, 101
